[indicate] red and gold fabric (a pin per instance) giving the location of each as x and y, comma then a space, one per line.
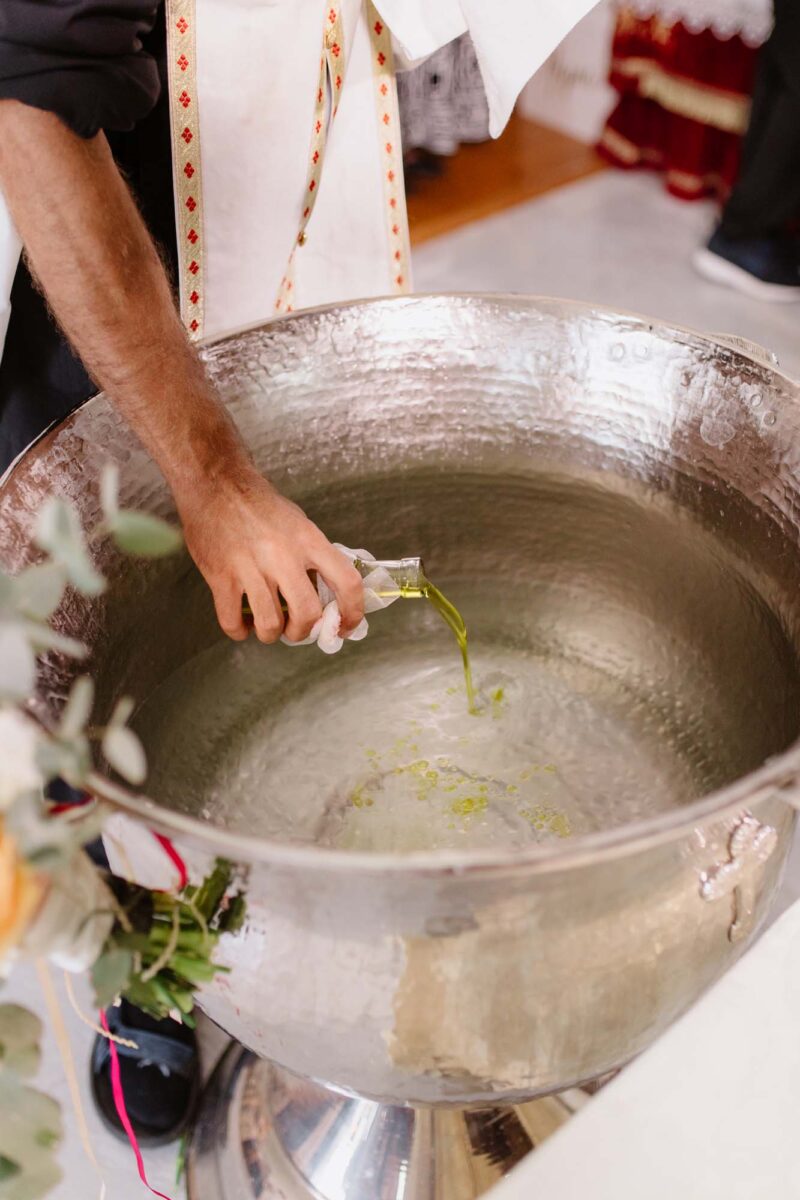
684, 102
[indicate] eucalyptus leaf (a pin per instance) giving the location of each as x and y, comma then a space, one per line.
42, 637
78, 708
59, 532
143, 534
20, 1034
109, 492
124, 752
67, 758
29, 1135
110, 975
122, 711
8, 599
38, 589
17, 663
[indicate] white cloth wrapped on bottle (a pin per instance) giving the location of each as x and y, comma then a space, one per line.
378, 585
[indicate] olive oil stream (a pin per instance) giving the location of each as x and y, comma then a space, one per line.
452, 617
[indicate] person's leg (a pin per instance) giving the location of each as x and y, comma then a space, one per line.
767, 195
751, 250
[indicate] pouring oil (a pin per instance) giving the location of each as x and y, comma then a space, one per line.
408, 576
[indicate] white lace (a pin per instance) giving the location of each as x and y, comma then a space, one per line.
750, 19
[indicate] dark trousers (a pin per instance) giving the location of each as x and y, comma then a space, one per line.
767, 195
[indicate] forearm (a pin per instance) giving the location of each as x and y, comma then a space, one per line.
107, 287
104, 281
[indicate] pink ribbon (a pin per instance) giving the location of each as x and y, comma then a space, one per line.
175, 859
122, 1112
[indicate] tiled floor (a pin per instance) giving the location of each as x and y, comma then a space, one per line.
616, 239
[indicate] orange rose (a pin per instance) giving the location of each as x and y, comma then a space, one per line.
21, 892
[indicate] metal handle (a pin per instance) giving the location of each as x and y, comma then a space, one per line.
766, 358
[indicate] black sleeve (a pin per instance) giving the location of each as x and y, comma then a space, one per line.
80, 59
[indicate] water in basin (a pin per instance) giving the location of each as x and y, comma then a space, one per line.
624, 666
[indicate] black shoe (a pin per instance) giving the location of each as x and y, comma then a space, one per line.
764, 268
160, 1080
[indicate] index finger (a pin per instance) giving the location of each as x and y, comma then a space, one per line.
346, 584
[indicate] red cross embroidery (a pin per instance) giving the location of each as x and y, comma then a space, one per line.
194, 326
183, 62
393, 203
306, 212
192, 236
332, 16
399, 280
386, 118
318, 126
384, 89
191, 204
312, 185
397, 255
381, 57
388, 147
185, 99
335, 50
395, 230
315, 156
319, 96
338, 81
378, 28
195, 296
187, 135
188, 170
390, 176
194, 267
181, 25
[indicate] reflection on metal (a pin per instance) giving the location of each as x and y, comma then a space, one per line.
263, 1134
617, 499
751, 844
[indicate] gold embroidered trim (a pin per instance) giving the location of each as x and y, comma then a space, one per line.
186, 168
388, 116
710, 106
332, 67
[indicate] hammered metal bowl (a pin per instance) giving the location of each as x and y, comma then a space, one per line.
615, 496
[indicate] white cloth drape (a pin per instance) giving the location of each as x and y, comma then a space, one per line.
512, 38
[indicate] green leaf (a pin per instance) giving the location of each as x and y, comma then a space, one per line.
20, 1034
59, 532
38, 590
78, 708
109, 492
232, 918
110, 975
125, 753
30, 1130
144, 534
17, 663
8, 1169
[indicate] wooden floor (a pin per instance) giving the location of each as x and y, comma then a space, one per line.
525, 162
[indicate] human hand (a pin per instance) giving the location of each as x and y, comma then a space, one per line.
249, 540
